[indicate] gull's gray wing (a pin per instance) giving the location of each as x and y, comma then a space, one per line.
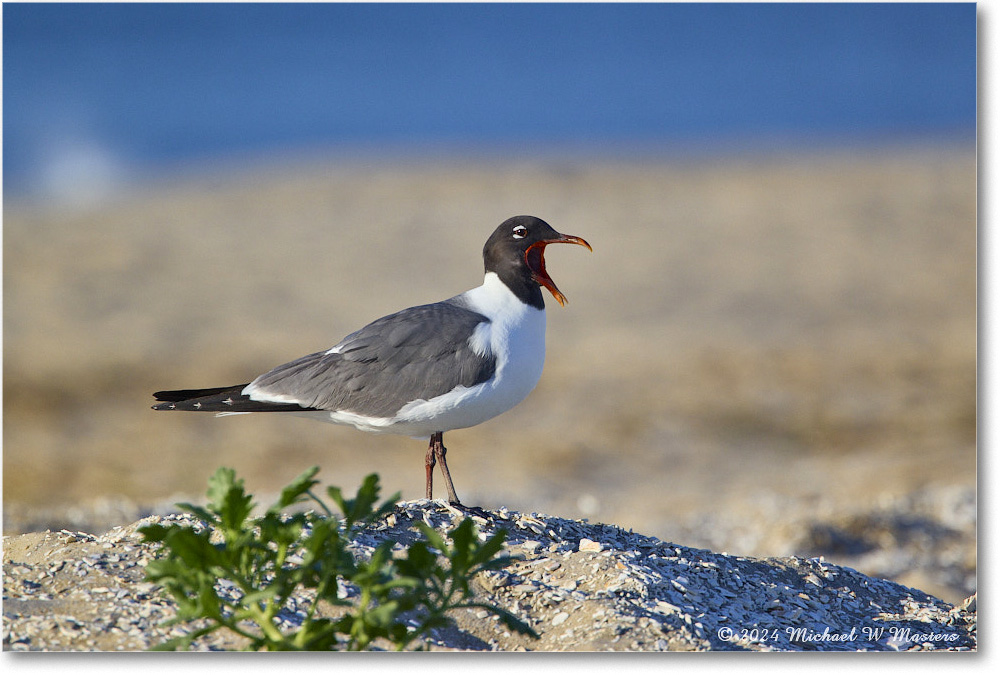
418, 353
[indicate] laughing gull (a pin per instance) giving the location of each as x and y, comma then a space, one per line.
427, 369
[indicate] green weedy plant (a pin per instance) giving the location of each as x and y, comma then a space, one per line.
271, 558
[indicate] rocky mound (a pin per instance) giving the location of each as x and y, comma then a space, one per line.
581, 586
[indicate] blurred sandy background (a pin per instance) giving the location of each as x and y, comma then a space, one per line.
758, 338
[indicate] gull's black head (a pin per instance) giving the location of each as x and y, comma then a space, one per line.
516, 253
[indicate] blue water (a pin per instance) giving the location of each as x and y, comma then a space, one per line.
132, 87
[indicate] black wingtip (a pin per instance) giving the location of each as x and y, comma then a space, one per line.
177, 395
196, 399
219, 399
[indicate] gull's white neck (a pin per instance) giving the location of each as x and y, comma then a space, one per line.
494, 300
515, 334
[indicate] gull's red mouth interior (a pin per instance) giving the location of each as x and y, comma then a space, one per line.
535, 258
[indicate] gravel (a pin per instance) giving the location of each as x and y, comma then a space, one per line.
582, 586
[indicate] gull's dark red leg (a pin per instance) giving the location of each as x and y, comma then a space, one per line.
439, 451
429, 463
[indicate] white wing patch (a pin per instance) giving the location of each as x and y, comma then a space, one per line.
265, 396
479, 341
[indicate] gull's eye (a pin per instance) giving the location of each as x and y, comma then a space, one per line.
520, 232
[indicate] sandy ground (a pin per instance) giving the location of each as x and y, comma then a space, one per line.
582, 586
792, 330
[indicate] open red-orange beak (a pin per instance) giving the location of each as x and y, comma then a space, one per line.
535, 257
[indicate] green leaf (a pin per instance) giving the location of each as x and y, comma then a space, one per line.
219, 484
355, 510
464, 542
153, 533
434, 537
203, 514
419, 562
489, 548
384, 615
227, 498
296, 490
209, 599
261, 595
193, 548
